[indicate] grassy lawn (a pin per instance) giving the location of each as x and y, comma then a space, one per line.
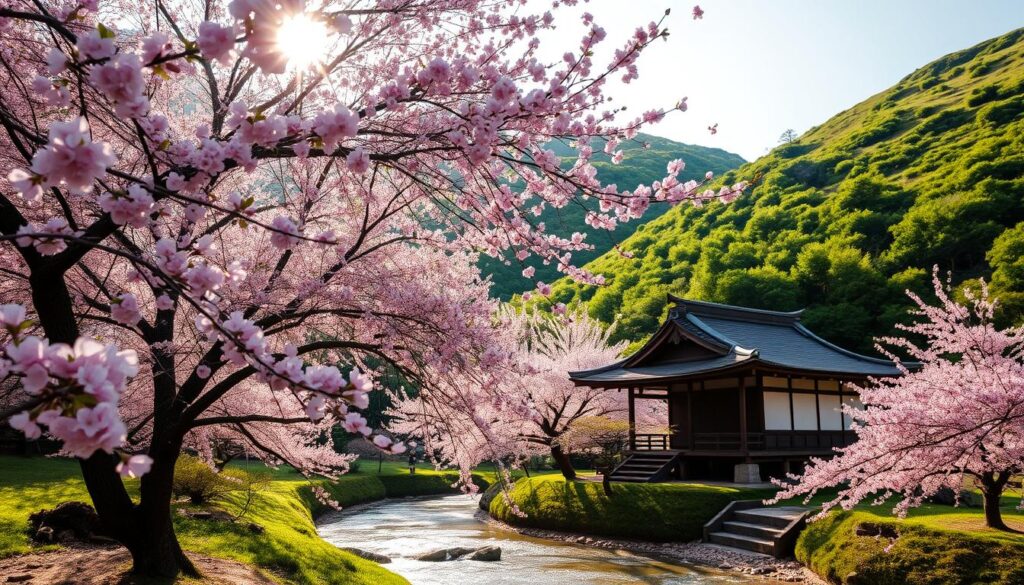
288, 550
653, 511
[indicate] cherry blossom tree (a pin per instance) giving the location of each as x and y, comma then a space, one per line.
958, 414
547, 348
221, 214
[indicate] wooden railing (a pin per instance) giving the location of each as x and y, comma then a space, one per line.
651, 442
772, 440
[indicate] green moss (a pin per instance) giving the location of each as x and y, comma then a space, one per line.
669, 511
920, 555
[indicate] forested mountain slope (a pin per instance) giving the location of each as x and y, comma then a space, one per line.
644, 160
846, 218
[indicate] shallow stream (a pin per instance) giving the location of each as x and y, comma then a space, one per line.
403, 529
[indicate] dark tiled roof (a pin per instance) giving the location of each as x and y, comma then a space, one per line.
746, 337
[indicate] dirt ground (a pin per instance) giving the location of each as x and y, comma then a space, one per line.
91, 565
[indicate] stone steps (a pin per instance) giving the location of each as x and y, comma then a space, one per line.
747, 526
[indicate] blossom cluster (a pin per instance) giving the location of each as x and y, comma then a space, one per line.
77, 389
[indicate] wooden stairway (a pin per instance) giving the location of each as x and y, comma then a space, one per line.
645, 466
747, 525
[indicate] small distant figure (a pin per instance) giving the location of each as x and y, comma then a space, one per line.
698, 13
412, 462
713, 129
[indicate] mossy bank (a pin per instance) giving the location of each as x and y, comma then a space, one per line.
288, 550
650, 511
857, 548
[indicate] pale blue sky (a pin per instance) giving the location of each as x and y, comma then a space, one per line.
758, 67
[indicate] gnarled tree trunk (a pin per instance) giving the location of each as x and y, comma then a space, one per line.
562, 460
992, 485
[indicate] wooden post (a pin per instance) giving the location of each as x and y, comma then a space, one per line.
632, 422
842, 417
817, 404
743, 417
689, 414
792, 414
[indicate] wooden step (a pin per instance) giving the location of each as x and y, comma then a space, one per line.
744, 542
755, 530
658, 457
631, 474
774, 517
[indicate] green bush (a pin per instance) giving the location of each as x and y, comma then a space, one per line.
669, 512
919, 556
197, 481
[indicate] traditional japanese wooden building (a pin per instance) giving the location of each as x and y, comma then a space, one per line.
751, 394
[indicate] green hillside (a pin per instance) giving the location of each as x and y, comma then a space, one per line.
643, 162
846, 218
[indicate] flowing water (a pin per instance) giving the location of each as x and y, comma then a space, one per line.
403, 529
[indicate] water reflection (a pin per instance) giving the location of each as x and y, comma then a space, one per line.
403, 529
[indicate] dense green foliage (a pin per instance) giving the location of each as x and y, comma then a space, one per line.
846, 218
647, 511
644, 161
289, 548
920, 555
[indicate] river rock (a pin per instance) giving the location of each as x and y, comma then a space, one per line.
72, 520
445, 554
876, 530
487, 553
44, 534
488, 496
370, 556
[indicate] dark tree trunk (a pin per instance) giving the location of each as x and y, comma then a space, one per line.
992, 485
146, 529
564, 465
157, 553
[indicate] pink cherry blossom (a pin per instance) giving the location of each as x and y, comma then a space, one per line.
125, 309
135, 466
37, 236
132, 208
12, 316
27, 185
358, 161
71, 158
283, 237
334, 126
120, 80
92, 45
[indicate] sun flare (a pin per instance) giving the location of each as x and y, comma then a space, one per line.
303, 40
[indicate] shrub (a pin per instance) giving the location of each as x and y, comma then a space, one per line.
201, 484
1002, 112
194, 479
